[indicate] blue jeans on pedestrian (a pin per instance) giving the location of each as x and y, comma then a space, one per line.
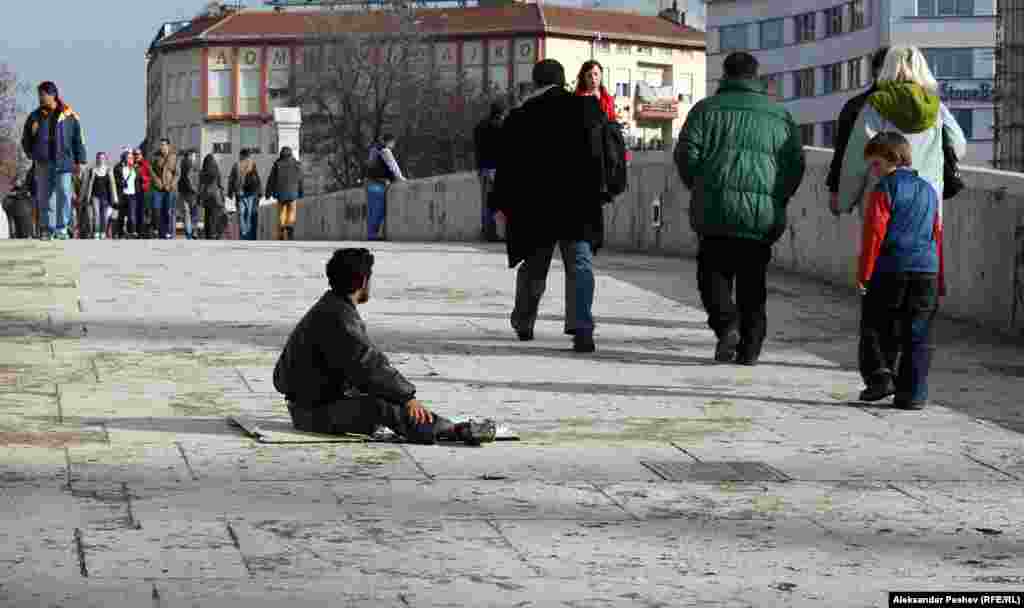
248, 213
53, 197
895, 338
531, 282
164, 206
376, 209
191, 207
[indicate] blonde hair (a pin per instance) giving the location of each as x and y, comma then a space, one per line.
907, 64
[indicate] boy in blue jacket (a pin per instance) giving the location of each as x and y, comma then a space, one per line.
52, 138
900, 276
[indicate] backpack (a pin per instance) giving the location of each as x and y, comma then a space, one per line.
613, 157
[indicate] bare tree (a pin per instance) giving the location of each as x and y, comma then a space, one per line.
373, 72
12, 161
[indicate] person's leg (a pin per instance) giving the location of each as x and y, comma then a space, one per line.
578, 258
531, 281
92, 229
187, 212
282, 219
254, 218
715, 283
919, 309
62, 189
156, 217
376, 204
880, 312
290, 223
752, 298
170, 215
243, 218
47, 189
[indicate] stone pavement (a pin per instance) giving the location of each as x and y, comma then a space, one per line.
122, 485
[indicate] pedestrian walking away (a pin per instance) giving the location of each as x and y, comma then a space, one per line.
382, 170
487, 142
188, 193
98, 197
245, 186
741, 157
165, 190
548, 186
900, 276
52, 139
337, 381
211, 193
285, 183
844, 127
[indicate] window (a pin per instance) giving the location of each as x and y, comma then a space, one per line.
771, 34
249, 92
965, 119
983, 122
665, 51
833, 78
951, 63
623, 82
854, 71
807, 135
828, 134
735, 38
196, 93
623, 49
645, 50
250, 138
804, 27
857, 20
222, 148
803, 83
221, 91
834, 21
684, 88
603, 47
945, 8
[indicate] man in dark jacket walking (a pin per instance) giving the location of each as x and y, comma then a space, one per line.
549, 143
741, 157
285, 184
337, 381
844, 126
53, 139
487, 141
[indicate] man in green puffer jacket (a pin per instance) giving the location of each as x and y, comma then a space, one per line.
741, 157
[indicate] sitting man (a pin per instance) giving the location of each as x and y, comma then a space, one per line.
336, 381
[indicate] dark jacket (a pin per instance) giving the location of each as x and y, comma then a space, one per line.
329, 353
211, 187
243, 185
187, 181
741, 157
549, 173
54, 138
487, 142
285, 180
844, 126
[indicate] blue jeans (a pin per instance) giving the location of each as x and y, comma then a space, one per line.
164, 206
248, 214
53, 197
191, 207
376, 209
895, 332
531, 282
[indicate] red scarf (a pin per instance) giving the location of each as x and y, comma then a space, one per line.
606, 101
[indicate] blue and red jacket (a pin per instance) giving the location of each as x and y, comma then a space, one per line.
902, 228
54, 138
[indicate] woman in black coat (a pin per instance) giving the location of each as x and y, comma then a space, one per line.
211, 197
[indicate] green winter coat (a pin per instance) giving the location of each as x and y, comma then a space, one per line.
741, 157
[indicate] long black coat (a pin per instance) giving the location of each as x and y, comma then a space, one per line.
549, 174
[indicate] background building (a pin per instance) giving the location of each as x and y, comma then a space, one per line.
214, 83
816, 54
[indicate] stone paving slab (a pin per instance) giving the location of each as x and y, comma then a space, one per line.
115, 381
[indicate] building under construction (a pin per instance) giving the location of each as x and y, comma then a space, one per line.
1009, 86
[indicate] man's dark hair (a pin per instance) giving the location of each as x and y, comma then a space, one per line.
740, 65
245, 154
164, 140
386, 138
548, 72
347, 268
891, 146
878, 60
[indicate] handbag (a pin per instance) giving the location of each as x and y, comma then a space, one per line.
952, 183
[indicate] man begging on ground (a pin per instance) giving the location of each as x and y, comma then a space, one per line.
337, 381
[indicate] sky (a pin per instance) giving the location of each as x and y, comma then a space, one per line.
95, 52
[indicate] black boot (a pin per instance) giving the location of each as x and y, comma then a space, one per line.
725, 350
879, 387
583, 342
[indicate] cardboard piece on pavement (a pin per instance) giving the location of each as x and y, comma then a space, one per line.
276, 430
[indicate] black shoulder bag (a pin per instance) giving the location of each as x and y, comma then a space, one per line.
952, 183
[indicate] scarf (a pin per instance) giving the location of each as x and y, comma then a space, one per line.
906, 104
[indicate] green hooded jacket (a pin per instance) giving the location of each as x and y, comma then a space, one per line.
741, 156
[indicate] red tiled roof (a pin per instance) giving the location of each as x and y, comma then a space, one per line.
517, 18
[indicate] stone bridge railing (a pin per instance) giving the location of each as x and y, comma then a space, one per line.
984, 228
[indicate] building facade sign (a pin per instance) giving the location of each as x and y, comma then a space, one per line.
249, 57
967, 90
526, 51
221, 58
472, 53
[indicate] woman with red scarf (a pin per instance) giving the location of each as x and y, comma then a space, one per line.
588, 82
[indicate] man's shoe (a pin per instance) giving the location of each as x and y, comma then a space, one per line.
583, 343
475, 432
747, 359
725, 350
525, 335
903, 403
878, 390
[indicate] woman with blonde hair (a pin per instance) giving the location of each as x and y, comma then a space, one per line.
906, 101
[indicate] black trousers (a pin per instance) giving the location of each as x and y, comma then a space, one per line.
215, 223
362, 415
895, 331
725, 263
